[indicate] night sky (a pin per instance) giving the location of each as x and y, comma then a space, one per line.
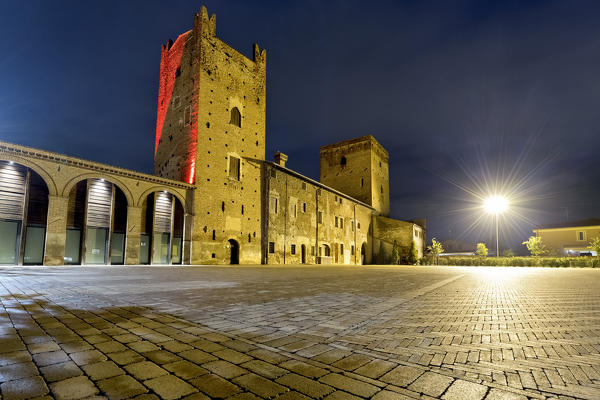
468, 97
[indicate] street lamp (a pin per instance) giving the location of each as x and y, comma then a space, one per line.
496, 205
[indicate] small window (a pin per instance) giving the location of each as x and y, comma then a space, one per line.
249, 238
352, 250
336, 222
320, 217
327, 251
271, 247
340, 200
343, 161
294, 207
381, 189
358, 225
242, 209
214, 234
273, 205
312, 250
234, 168
341, 222
273, 173
318, 192
352, 226
335, 199
581, 235
236, 117
223, 206
303, 207
187, 115
362, 182
303, 185
293, 249
342, 249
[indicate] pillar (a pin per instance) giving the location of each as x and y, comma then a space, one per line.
134, 230
56, 232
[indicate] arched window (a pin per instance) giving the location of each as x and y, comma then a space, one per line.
236, 117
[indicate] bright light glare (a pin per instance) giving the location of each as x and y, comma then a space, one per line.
495, 204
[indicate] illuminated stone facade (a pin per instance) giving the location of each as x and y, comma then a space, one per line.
213, 198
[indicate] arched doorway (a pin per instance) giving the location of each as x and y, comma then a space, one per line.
363, 254
234, 252
23, 215
96, 223
303, 253
161, 239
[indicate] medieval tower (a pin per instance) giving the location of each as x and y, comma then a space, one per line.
210, 132
358, 167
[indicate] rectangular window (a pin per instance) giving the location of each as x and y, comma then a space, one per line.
320, 217
303, 185
352, 226
341, 222
312, 250
304, 207
318, 192
340, 200
187, 115
273, 205
271, 247
320, 251
293, 249
294, 214
581, 235
335, 199
273, 173
342, 249
336, 222
352, 250
234, 168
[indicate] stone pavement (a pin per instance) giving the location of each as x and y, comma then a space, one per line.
299, 332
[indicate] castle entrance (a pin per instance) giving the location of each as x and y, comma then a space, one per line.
234, 252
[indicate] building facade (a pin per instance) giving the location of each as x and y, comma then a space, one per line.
570, 238
213, 197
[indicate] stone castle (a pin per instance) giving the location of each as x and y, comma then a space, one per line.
213, 197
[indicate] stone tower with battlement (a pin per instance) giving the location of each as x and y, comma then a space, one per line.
210, 132
358, 167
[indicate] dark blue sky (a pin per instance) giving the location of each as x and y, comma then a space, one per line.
463, 94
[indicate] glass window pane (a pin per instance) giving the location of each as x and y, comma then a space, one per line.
117, 248
95, 246
161, 248
9, 232
144, 249
73, 246
34, 245
176, 251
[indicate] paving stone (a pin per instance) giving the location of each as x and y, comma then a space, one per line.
17, 371
309, 387
332, 356
175, 346
52, 357
259, 385
232, 356
111, 346
11, 345
303, 368
102, 370
43, 347
375, 368
197, 356
225, 369
341, 395
23, 388
207, 346
464, 390
74, 388
170, 387
162, 357
61, 371
352, 362
292, 396
145, 370
185, 369
431, 384
265, 369
389, 395
14, 357
350, 385
402, 375
75, 346
125, 357
121, 387
196, 396
244, 396
215, 386
499, 394
87, 357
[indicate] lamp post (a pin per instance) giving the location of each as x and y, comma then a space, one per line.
496, 205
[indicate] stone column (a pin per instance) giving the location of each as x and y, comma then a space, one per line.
187, 239
56, 231
134, 230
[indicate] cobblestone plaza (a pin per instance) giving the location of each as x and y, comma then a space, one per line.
299, 332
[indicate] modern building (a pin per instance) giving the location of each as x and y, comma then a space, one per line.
213, 197
570, 238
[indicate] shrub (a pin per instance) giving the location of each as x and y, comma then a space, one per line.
554, 262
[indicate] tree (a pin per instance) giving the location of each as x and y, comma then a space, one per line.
435, 249
508, 253
395, 254
535, 246
413, 254
482, 250
595, 245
